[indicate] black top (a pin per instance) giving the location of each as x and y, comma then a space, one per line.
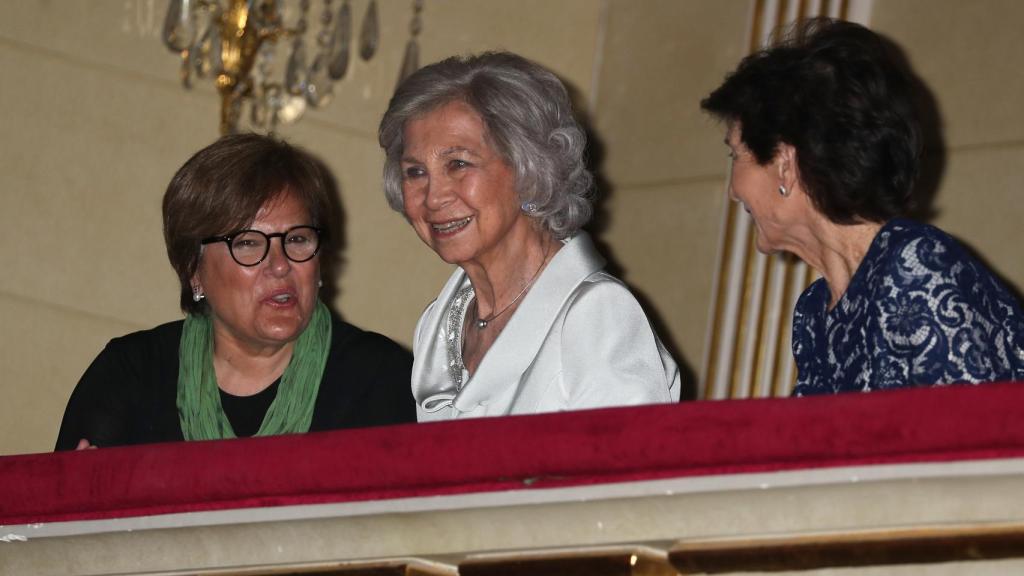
129, 393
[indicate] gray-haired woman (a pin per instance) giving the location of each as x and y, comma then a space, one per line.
485, 160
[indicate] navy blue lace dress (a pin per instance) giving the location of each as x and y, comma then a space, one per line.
919, 310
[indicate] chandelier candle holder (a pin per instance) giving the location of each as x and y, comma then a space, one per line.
236, 42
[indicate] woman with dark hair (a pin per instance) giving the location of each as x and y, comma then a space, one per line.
246, 221
485, 161
825, 147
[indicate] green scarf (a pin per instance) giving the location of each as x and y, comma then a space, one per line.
199, 409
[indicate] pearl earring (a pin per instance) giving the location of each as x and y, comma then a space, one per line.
197, 294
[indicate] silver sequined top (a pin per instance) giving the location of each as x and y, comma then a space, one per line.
456, 320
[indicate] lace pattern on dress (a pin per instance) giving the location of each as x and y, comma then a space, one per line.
919, 311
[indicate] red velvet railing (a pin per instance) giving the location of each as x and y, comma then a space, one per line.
525, 452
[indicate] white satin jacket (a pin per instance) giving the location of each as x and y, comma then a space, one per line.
578, 340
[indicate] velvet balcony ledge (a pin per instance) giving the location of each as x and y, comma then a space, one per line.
924, 425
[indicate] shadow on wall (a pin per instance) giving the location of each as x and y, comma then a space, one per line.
932, 166
332, 255
603, 191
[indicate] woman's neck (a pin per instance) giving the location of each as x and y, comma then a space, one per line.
500, 286
500, 282
836, 252
244, 370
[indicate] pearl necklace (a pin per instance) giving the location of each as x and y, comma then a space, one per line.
482, 323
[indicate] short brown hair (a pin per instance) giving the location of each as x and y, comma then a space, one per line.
222, 188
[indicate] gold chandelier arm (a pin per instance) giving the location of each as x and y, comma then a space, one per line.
238, 41
241, 38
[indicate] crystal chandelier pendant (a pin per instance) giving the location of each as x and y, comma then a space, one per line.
341, 42
318, 89
291, 108
216, 57
271, 100
268, 65
411, 61
207, 42
295, 75
259, 112
262, 112
369, 32
185, 72
179, 25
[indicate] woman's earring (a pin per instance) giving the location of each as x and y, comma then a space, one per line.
782, 191
320, 283
529, 207
197, 294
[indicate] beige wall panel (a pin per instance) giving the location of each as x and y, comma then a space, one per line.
660, 58
122, 34
83, 179
980, 204
561, 35
665, 241
969, 54
43, 351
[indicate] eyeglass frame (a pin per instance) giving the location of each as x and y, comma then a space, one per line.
229, 238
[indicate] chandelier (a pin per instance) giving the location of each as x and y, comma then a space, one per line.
239, 43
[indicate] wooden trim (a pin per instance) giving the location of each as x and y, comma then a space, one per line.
763, 329
722, 295
780, 19
362, 568
754, 44
917, 546
617, 563
784, 329
742, 326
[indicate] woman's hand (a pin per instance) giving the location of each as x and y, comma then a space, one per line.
84, 444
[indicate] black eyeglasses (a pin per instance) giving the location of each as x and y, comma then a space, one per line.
250, 247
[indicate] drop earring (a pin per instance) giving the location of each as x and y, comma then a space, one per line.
197, 294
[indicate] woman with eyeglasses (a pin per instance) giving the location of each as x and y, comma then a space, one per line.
246, 223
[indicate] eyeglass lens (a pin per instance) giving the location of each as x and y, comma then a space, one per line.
250, 247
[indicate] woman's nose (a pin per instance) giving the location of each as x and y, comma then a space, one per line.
440, 191
277, 262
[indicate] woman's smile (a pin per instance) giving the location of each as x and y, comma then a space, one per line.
458, 192
450, 227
